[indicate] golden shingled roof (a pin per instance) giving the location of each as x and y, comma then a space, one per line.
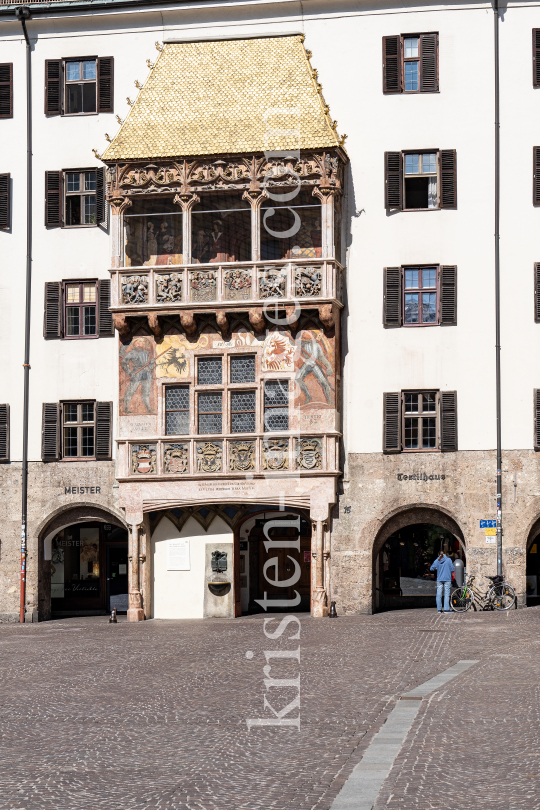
226, 96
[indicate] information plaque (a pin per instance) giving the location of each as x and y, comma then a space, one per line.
178, 555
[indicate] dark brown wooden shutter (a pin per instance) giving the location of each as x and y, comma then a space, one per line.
52, 321
53, 86
392, 423
448, 178
6, 90
536, 175
105, 82
103, 430
391, 47
101, 205
53, 199
537, 418
536, 56
393, 180
537, 292
50, 432
449, 443
448, 296
105, 315
5, 200
429, 63
4, 433
392, 297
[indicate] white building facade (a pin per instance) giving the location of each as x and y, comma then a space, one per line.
384, 452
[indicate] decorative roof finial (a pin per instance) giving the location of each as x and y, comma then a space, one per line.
342, 140
120, 120
107, 138
96, 153
159, 47
129, 101
150, 64
138, 85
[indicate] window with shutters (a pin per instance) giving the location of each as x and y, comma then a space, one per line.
411, 63
420, 421
76, 309
80, 86
78, 430
6, 90
5, 201
4, 434
75, 198
422, 180
420, 295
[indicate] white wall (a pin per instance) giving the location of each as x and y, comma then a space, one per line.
180, 594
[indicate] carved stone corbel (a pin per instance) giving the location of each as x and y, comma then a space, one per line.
256, 319
293, 313
222, 322
119, 204
155, 325
121, 324
189, 324
327, 316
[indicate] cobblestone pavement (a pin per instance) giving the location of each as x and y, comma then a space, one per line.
152, 716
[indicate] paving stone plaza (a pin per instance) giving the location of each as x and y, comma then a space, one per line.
152, 715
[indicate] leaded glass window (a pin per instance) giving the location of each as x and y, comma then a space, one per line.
242, 411
243, 368
176, 410
210, 371
210, 412
276, 405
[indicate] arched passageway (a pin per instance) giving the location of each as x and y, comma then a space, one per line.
532, 583
404, 550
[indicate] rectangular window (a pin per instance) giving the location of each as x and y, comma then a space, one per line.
420, 179
420, 411
80, 86
209, 371
80, 309
242, 368
80, 198
420, 295
411, 63
243, 412
177, 410
276, 405
78, 420
210, 412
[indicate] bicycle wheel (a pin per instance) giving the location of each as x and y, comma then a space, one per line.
503, 597
461, 599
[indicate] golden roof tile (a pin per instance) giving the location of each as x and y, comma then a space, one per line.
226, 97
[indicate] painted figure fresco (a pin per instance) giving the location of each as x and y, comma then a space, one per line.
137, 373
278, 352
315, 368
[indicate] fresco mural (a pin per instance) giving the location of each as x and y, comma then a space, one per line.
315, 370
137, 376
278, 352
173, 358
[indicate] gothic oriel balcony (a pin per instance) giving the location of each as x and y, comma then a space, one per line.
167, 287
255, 455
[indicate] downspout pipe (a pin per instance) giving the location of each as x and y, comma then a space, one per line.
498, 290
23, 14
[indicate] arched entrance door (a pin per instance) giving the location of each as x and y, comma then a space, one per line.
404, 552
258, 574
85, 567
532, 583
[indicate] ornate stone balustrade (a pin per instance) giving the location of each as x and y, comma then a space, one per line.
197, 286
255, 455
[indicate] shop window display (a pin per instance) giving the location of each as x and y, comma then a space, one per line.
221, 229
75, 563
153, 234
293, 230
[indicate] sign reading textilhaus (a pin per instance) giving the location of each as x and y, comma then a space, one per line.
420, 477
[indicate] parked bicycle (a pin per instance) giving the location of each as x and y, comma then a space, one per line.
499, 596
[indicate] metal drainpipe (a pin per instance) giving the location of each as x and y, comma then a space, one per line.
498, 291
23, 14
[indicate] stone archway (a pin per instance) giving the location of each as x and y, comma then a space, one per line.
64, 517
532, 565
426, 519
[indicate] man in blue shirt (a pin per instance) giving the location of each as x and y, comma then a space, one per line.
444, 567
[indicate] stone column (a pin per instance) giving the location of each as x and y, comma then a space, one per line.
326, 196
255, 197
118, 206
186, 200
135, 610
319, 601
